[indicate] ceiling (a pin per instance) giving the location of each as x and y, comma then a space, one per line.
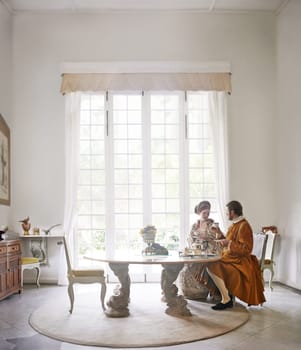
15, 6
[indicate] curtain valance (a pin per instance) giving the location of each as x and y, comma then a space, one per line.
72, 82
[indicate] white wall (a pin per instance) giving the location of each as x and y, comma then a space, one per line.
41, 42
288, 142
5, 82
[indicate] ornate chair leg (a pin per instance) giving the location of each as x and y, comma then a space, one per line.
38, 276
71, 296
103, 294
271, 278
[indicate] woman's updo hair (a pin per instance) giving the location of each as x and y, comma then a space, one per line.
202, 206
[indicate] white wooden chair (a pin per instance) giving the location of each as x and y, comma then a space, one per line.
271, 232
259, 248
29, 263
83, 276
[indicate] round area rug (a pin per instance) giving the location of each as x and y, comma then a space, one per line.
147, 325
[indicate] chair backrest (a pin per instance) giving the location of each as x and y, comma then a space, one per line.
67, 255
271, 233
259, 246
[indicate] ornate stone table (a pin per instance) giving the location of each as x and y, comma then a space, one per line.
172, 265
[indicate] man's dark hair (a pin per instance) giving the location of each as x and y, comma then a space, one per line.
236, 207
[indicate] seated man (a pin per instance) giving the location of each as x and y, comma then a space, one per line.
237, 273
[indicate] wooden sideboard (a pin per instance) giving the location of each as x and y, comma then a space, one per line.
10, 267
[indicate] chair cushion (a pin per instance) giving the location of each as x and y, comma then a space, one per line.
29, 260
88, 272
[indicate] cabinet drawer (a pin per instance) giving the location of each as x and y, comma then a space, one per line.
13, 248
3, 250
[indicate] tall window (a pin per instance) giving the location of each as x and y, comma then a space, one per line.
145, 158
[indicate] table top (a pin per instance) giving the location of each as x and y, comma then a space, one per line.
42, 236
161, 259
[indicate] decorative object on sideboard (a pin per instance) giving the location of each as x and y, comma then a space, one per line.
4, 162
3, 229
47, 231
26, 225
36, 231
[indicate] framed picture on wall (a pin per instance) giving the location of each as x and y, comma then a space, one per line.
4, 162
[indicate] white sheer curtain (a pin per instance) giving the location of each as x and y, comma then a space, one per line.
219, 127
72, 139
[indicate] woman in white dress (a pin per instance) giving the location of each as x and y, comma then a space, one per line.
194, 279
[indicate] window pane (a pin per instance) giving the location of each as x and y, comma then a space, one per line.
121, 161
97, 147
158, 132
135, 176
97, 192
97, 207
97, 162
120, 102
121, 191
98, 177
121, 206
85, 147
120, 117
85, 162
135, 191
158, 146
134, 146
97, 102
120, 131
136, 206
84, 177
134, 102
158, 190
85, 133
157, 102
97, 117
134, 117
120, 146
158, 205
84, 207
97, 132
157, 116
134, 132
84, 192
121, 176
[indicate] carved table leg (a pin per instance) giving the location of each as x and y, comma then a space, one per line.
118, 303
177, 305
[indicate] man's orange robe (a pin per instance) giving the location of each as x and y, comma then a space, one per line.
238, 268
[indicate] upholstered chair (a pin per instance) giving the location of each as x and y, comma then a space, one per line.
83, 276
30, 263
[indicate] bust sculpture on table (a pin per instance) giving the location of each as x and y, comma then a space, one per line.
26, 225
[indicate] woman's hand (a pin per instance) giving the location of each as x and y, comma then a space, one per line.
218, 233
